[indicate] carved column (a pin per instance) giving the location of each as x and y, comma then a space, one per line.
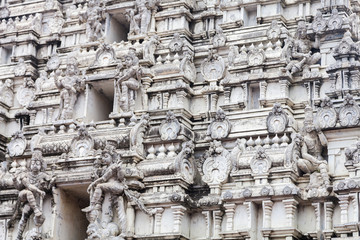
165, 100
214, 98
344, 204
355, 202
263, 87
145, 99
227, 93
178, 213
267, 209
284, 88
180, 96
355, 79
130, 219
317, 215
329, 210
217, 215
157, 220
290, 210
230, 212
208, 223
317, 89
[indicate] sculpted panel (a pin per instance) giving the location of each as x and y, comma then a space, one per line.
277, 120
170, 128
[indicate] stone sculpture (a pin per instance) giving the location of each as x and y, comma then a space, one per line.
149, 48
140, 19
33, 183
137, 135
217, 164
219, 40
326, 116
20, 68
306, 151
107, 192
43, 83
70, 84
274, 31
187, 66
277, 120
93, 18
220, 127
170, 128
213, 67
176, 43
82, 145
261, 162
353, 154
349, 112
7, 92
17, 145
105, 55
26, 93
184, 162
127, 83
297, 51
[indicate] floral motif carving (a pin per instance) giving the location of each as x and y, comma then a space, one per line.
184, 162
349, 112
326, 116
176, 43
335, 21
7, 92
220, 127
217, 164
105, 55
261, 162
213, 67
256, 55
319, 23
17, 145
170, 128
82, 145
277, 120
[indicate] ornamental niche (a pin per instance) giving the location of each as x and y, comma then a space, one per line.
277, 120
170, 128
220, 127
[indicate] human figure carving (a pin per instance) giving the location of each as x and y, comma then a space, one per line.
150, 47
306, 150
298, 51
139, 22
128, 82
6, 92
112, 181
32, 183
93, 17
69, 85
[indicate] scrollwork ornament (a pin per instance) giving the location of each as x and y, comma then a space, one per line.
53, 63
326, 116
261, 162
349, 113
247, 193
105, 55
319, 24
17, 145
176, 43
217, 165
83, 144
184, 162
277, 120
274, 31
213, 67
256, 56
265, 191
220, 127
170, 128
335, 21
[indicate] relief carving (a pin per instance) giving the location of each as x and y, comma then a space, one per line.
137, 135
349, 112
53, 63
277, 120
149, 48
93, 17
7, 92
335, 21
33, 183
127, 83
20, 68
217, 164
82, 145
187, 66
43, 83
219, 40
105, 55
256, 55
17, 145
297, 51
213, 67
261, 162
70, 84
109, 193
176, 43
319, 23
220, 127
26, 93
326, 116
274, 31
353, 155
170, 128
184, 162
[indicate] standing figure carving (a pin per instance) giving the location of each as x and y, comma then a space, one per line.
106, 193
69, 84
150, 47
93, 17
32, 183
127, 83
298, 52
7, 92
140, 19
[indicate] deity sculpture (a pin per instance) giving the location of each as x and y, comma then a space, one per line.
69, 85
150, 47
298, 52
128, 82
139, 22
33, 183
106, 192
306, 151
93, 17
